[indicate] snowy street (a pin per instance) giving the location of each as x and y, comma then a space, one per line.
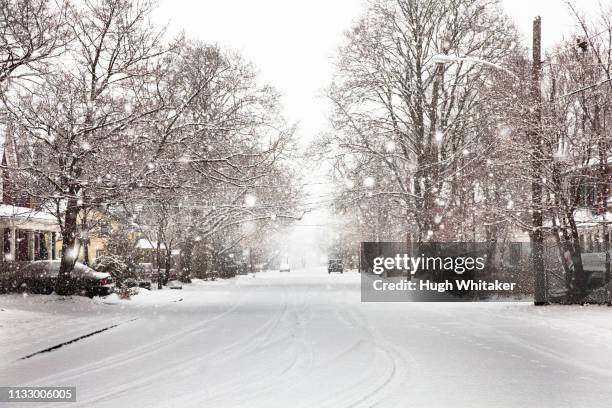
316, 204
304, 339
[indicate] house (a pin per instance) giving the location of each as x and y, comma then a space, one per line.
147, 251
591, 212
95, 229
28, 234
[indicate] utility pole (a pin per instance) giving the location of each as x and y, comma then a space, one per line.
537, 155
604, 192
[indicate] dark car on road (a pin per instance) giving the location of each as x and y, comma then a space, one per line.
41, 276
335, 265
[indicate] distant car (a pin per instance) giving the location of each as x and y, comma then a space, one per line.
41, 276
146, 270
229, 269
285, 268
175, 285
335, 265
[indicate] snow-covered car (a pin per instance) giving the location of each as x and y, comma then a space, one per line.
284, 268
41, 276
594, 265
335, 265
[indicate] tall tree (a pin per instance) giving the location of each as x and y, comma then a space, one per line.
79, 125
407, 118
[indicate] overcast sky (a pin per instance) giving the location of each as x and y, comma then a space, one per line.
292, 42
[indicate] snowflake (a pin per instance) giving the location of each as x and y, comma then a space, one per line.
250, 200
390, 146
439, 137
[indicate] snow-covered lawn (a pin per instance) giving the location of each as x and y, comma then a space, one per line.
304, 339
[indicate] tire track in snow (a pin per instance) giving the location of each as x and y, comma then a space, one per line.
212, 358
128, 356
279, 374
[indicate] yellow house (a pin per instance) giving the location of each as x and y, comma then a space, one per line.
93, 237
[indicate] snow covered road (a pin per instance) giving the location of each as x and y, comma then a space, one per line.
303, 339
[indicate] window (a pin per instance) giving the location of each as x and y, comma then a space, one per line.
105, 228
7, 241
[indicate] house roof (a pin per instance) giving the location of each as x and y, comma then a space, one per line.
144, 243
7, 210
584, 217
27, 218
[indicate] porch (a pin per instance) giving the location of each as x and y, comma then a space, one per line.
27, 235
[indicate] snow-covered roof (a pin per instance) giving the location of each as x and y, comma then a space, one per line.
592, 162
12, 211
584, 217
144, 243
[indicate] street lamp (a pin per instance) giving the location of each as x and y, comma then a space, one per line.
447, 59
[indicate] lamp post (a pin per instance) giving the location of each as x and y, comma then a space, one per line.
537, 239
448, 59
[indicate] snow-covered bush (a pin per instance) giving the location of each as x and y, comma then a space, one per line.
119, 268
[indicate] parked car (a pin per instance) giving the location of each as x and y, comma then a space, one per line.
594, 265
285, 267
229, 269
148, 272
210, 275
335, 265
137, 283
145, 270
41, 277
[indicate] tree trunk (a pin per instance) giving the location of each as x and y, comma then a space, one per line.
168, 261
187, 259
85, 239
577, 289
160, 277
64, 285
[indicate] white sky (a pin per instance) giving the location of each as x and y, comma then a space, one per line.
292, 43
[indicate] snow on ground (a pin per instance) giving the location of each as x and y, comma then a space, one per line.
303, 339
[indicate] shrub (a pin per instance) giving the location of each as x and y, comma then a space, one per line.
117, 266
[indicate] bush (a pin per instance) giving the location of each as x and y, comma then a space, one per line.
117, 266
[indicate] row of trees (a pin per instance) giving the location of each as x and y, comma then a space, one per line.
176, 139
438, 133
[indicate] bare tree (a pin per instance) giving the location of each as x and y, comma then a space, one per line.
79, 126
31, 33
407, 126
